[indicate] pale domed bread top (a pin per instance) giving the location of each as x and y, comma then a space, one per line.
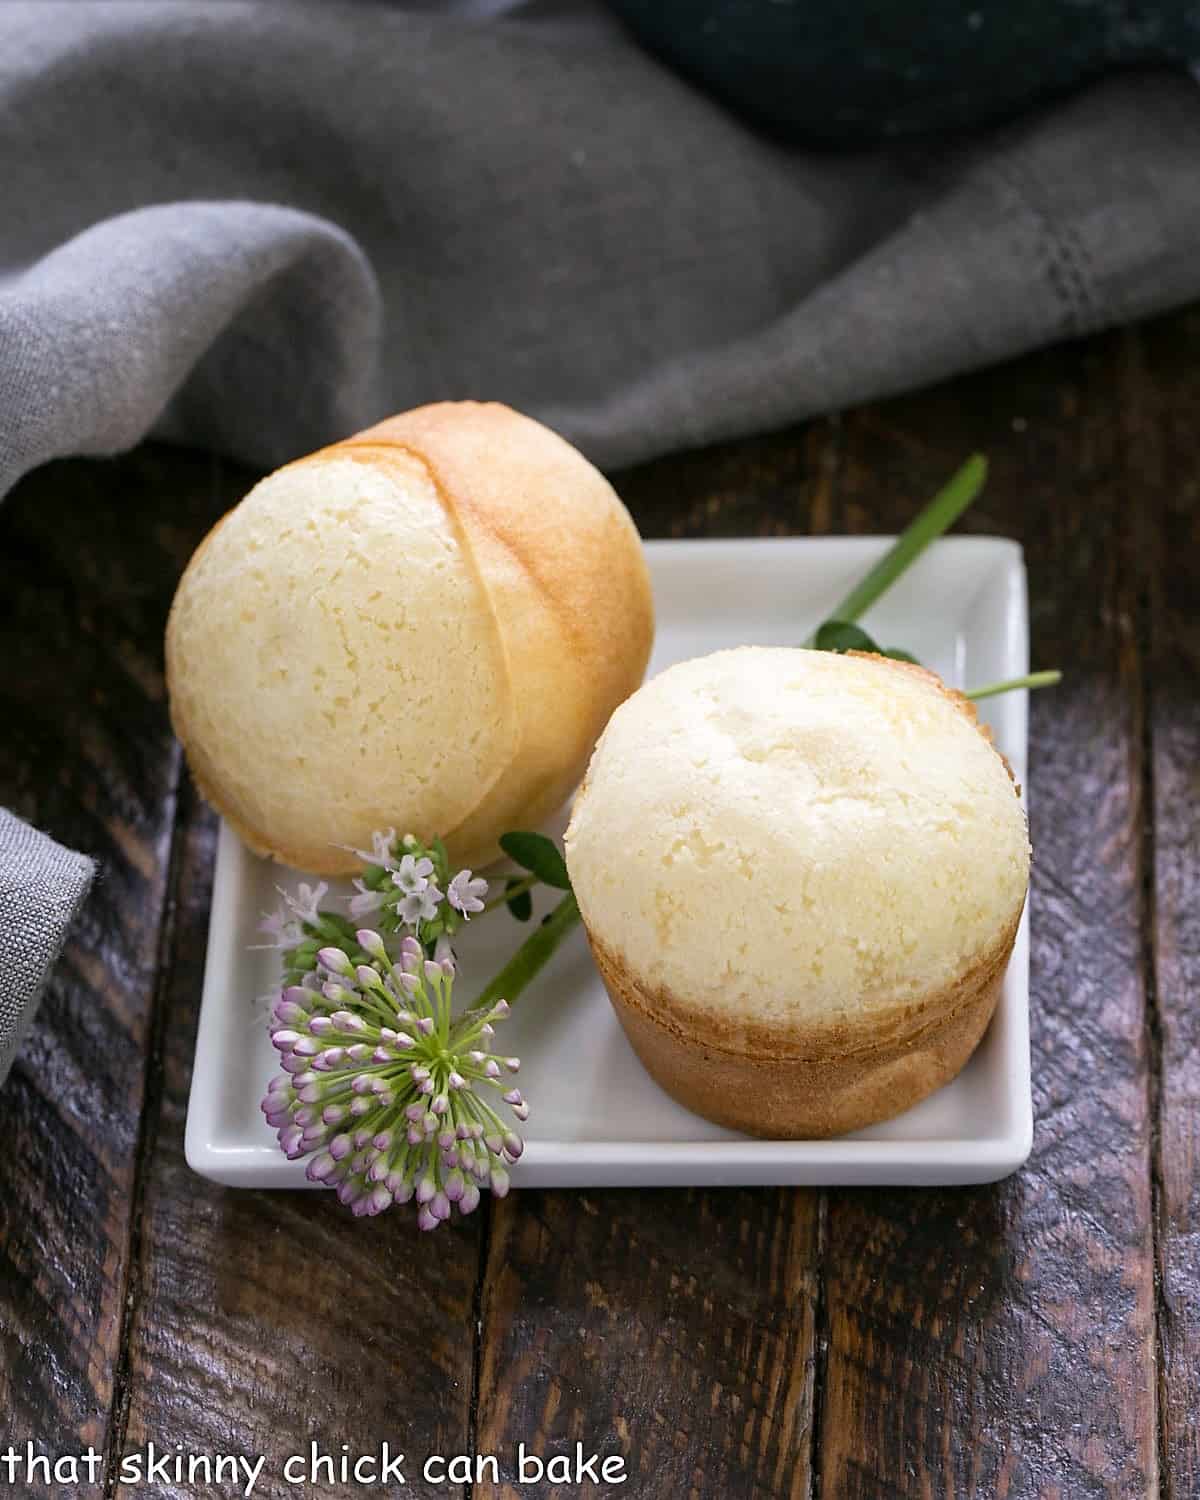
267, 678
424, 627
776, 836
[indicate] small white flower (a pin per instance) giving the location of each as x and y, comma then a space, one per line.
306, 903
380, 852
366, 901
466, 895
419, 906
413, 874
283, 931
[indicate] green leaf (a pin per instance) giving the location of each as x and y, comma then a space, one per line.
333, 928
521, 904
841, 635
540, 856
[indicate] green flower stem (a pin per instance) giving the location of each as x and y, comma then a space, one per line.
532, 956
519, 889
938, 516
1033, 680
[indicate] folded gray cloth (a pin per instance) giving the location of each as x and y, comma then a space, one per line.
42, 886
255, 226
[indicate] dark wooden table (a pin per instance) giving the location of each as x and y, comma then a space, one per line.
1036, 1337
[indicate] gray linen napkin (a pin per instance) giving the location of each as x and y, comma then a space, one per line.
42, 886
255, 226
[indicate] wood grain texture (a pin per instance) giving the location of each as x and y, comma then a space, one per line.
1162, 419
261, 1322
780, 484
85, 753
1000, 1341
672, 1328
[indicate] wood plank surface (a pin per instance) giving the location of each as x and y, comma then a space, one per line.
999, 1341
90, 552
673, 1328
1160, 429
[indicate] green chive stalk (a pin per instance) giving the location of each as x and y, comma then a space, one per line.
936, 518
532, 956
1013, 684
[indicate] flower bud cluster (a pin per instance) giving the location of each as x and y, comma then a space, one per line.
384, 1090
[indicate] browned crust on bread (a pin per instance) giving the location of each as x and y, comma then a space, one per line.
515, 483
537, 519
796, 1082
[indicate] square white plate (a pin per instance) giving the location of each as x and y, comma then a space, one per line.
598, 1119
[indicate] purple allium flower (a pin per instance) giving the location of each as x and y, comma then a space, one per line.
466, 895
335, 962
391, 1104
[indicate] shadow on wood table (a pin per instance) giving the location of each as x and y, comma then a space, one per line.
1036, 1337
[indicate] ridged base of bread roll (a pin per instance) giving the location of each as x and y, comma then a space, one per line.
805, 1084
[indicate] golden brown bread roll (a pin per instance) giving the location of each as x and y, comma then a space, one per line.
801, 876
424, 627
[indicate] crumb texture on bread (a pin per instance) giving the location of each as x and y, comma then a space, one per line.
331, 645
790, 839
